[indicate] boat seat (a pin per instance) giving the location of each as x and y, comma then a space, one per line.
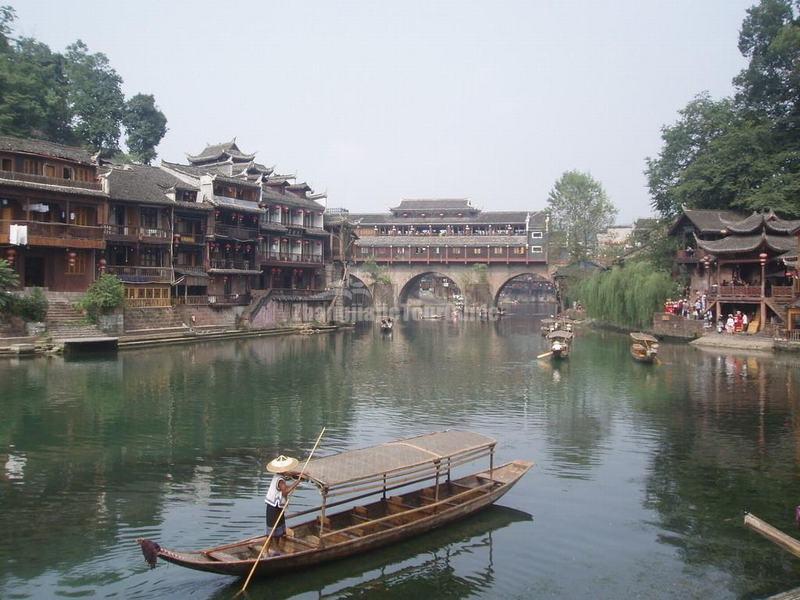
367, 521
223, 556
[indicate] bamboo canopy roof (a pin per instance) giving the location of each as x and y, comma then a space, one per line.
643, 337
411, 458
565, 335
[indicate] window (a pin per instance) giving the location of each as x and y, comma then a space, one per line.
67, 173
400, 250
519, 250
7, 164
536, 249
536, 235
476, 251
149, 218
455, 250
497, 250
49, 171
79, 266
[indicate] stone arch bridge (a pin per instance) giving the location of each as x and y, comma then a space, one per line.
403, 275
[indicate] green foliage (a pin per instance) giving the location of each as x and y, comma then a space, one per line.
741, 153
579, 206
72, 98
8, 280
95, 97
103, 296
145, 125
32, 307
626, 296
376, 272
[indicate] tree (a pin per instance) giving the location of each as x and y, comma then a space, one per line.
741, 152
95, 98
8, 280
145, 125
580, 207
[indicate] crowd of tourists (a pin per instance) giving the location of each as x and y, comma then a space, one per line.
735, 322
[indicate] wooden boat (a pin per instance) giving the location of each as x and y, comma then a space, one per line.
644, 348
560, 343
548, 326
371, 472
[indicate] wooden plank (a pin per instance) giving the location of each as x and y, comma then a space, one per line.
774, 535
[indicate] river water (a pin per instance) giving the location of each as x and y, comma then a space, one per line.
643, 471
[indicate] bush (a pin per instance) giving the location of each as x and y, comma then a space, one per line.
103, 296
32, 307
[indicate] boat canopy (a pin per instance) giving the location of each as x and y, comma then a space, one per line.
643, 337
395, 462
564, 335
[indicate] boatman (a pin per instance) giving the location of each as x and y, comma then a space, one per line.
278, 492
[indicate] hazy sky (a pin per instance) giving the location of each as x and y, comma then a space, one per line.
378, 101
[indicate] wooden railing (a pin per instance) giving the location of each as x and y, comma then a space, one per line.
782, 292
793, 335
73, 183
449, 254
225, 263
45, 234
140, 274
130, 232
191, 300
292, 257
148, 302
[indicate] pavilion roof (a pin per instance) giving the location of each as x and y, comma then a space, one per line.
482, 218
706, 221
434, 204
766, 220
217, 152
739, 244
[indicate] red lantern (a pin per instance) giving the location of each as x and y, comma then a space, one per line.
762, 258
71, 256
101, 265
11, 255
216, 214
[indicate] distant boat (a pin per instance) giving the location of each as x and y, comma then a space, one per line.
644, 348
387, 325
560, 343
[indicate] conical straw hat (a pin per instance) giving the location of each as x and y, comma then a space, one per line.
282, 464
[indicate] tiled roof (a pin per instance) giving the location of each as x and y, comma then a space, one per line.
768, 220
435, 204
140, 183
273, 198
236, 204
706, 221
441, 240
747, 243
217, 151
483, 218
44, 148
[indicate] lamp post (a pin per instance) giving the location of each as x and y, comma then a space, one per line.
762, 258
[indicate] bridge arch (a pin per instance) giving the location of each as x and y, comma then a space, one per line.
429, 285
357, 293
526, 282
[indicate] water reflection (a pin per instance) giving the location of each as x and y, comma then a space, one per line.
454, 562
647, 467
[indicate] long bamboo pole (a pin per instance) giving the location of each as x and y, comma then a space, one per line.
774, 535
278, 520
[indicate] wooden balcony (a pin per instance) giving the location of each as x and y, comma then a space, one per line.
237, 232
191, 300
133, 234
148, 302
233, 265
70, 183
130, 274
229, 300
273, 257
780, 293
61, 235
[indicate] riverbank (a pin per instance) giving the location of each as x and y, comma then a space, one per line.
734, 341
14, 347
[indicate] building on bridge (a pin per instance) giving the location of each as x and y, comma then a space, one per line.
427, 242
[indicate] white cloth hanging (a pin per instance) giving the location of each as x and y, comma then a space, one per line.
18, 235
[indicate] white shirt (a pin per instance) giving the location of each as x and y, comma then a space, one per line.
274, 496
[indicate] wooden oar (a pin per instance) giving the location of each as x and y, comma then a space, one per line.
280, 516
545, 354
774, 535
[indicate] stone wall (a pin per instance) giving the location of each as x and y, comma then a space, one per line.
206, 316
666, 324
152, 318
275, 313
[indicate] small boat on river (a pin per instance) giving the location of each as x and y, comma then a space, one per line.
387, 325
644, 348
360, 474
560, 343
548, 326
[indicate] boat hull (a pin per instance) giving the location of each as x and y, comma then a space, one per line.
506, 475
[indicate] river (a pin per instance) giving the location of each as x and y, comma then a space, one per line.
642, 475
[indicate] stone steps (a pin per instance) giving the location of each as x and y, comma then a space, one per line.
64, 322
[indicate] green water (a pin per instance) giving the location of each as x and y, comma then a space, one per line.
641, 479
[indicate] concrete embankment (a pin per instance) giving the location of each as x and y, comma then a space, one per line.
735, 341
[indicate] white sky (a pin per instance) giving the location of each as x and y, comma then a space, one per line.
378, 101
